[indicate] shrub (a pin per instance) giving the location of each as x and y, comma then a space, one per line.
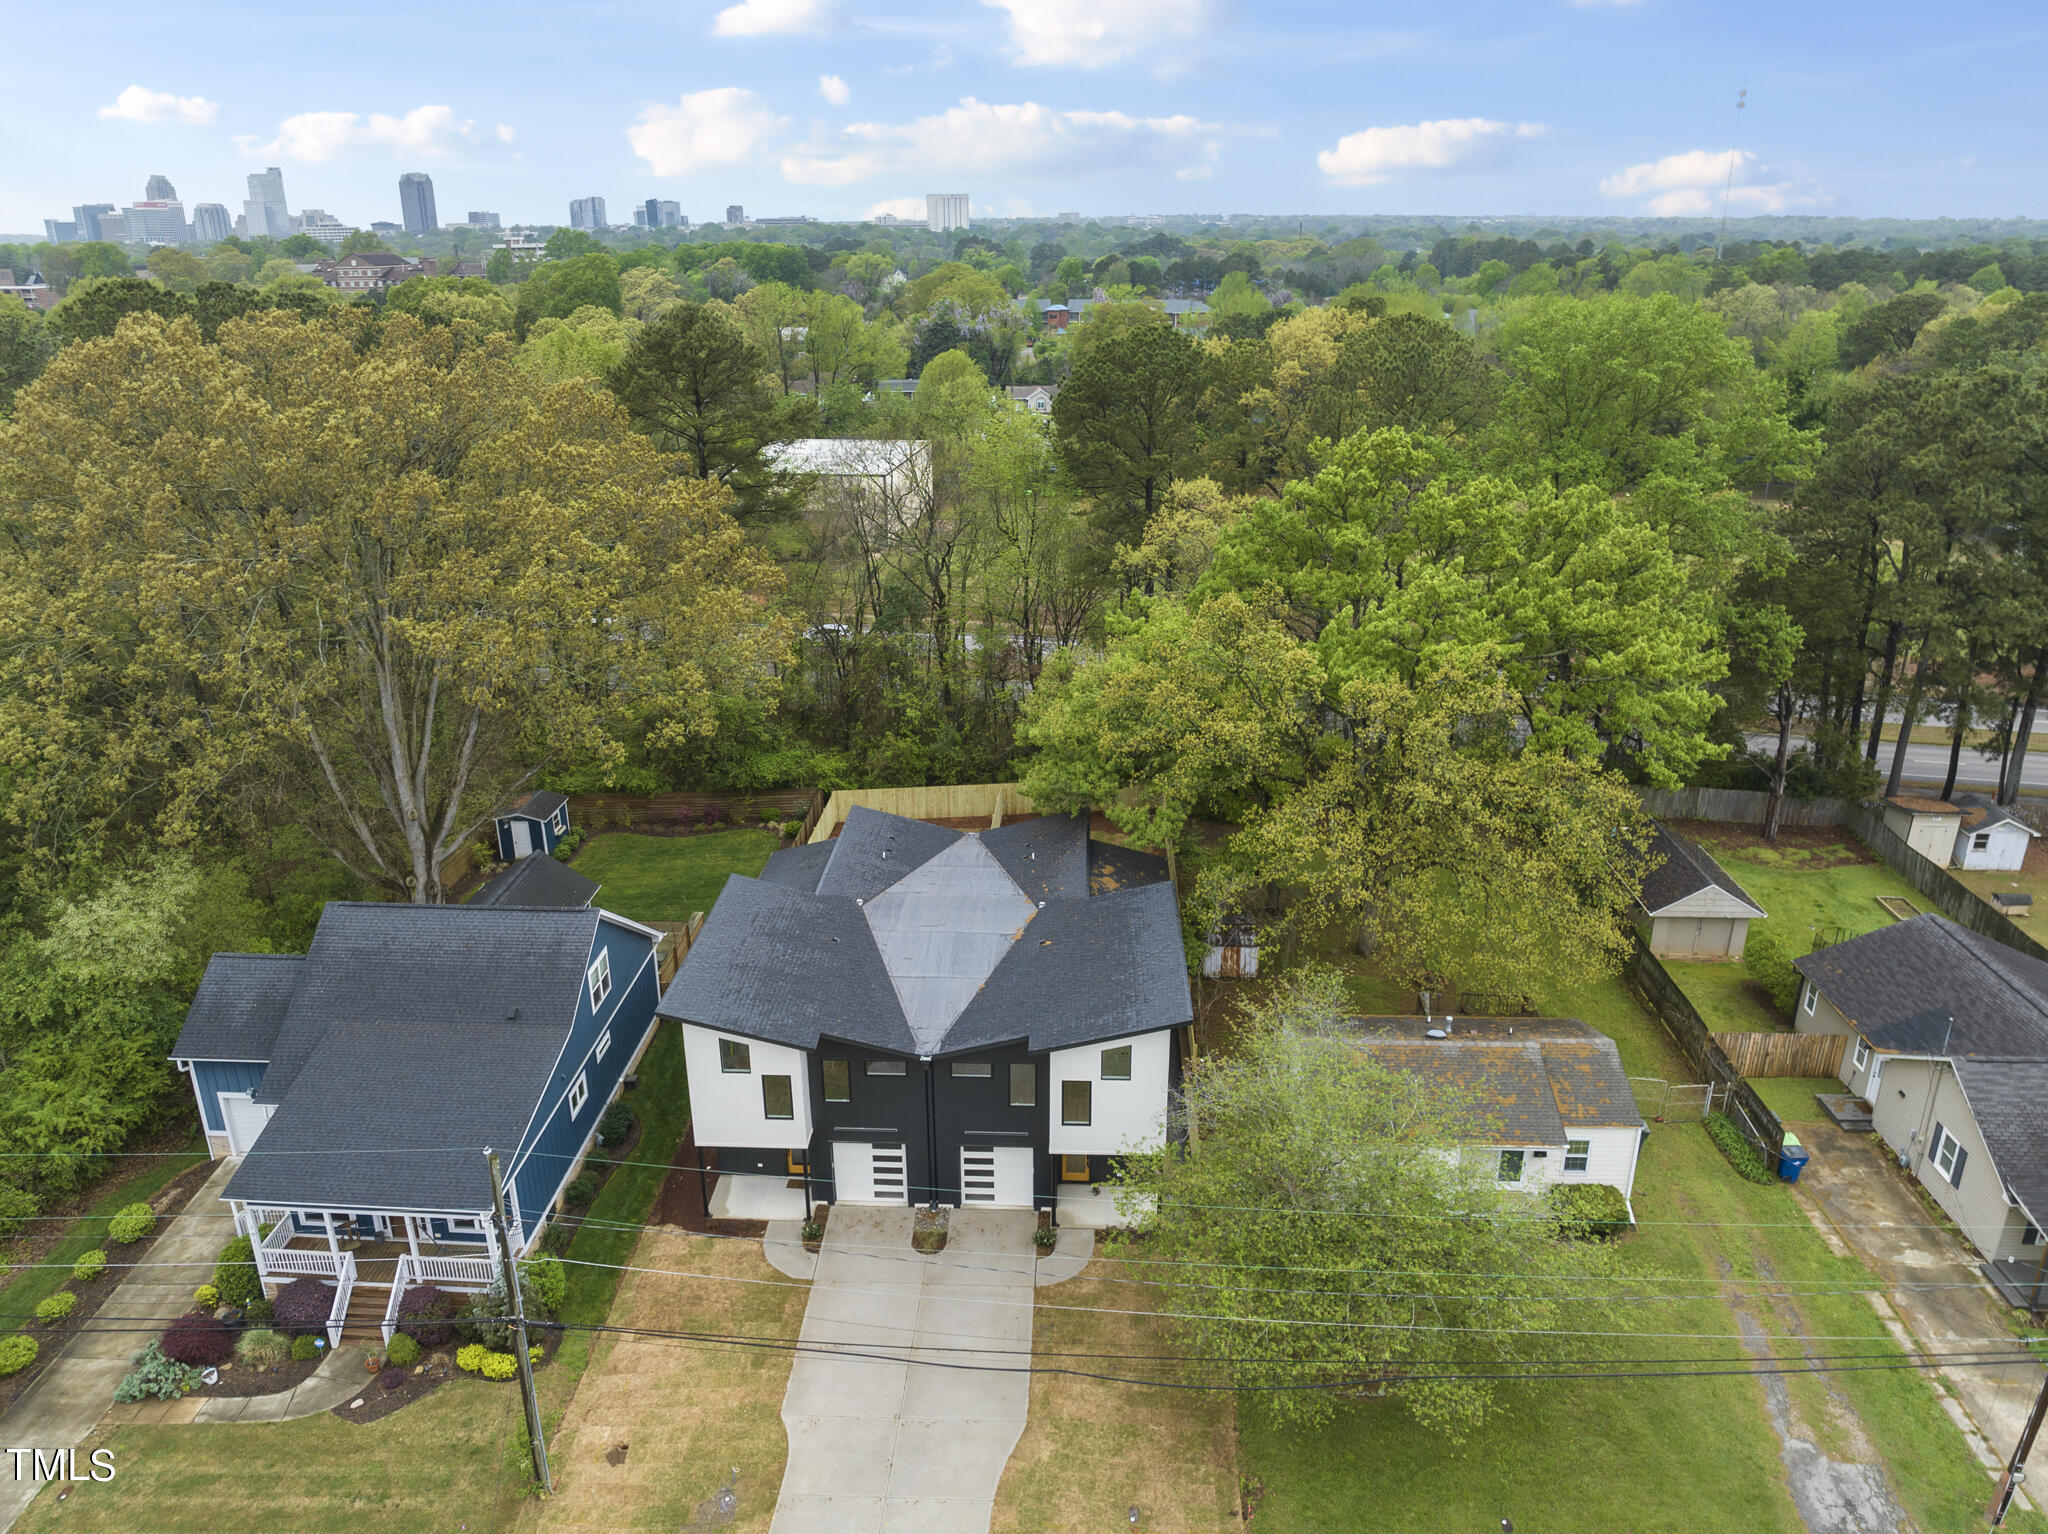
17, 1353
533, 1354
616, 1124
131, 1224
1740, 1153
302, 1306
713, 815
792, 829
235, 1275
304, 1348
156, 1377
197, 1339
206, 1297
470, 1357
499, 1366
565, 849
89, 1267
403, 1352
391, 1379
557, 1239
16, 1205
1765, 961
258, 1310
426, 1315
1045, 1238
544, 1284
487, 1313
581, 1190
56, 1307
1589, 1211
814, 1229
262, 1348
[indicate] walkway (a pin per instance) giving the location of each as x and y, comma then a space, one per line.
66, 1402
886, 1441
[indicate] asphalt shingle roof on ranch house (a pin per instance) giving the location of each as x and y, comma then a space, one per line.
539, 882
2009, 1100
1519, 1080
1687, 869
241, 1001
1895, 984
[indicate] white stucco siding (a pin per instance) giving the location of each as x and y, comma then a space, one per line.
1124, 1115
2005, 848
726, 1107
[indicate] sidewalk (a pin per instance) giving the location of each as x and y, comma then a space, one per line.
75, 1390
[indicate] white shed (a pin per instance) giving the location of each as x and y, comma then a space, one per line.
1991, 836
1692, 905
1928, 826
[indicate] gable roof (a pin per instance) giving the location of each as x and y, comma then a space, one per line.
2009, 1101
798, 867
873, 850
1981, 814
537, 805
1920, 804
538, 881
1900, 985
1687, 870
1516, 1081
241, 1000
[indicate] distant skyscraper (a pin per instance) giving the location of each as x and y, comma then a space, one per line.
650, 215
945, 210
160, 190
210, 223
735, 214
60, 231
416, 202
266, 211
87, 216
587, 213
156, 223
483, 220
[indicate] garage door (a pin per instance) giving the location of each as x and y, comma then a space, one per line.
244, 1120
869, 1174
996, 1174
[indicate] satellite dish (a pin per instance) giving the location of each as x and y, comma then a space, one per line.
1437, 1033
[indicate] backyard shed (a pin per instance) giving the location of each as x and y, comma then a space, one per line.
1691, 905
1233, 949
1991, 836
1928, 826
533, 824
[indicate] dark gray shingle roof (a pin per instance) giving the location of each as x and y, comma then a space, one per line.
873, 850
798, 868
1521, 1080
2009, 1100
1046, 857
1898, 982
537, 805
1687, 869
537, 881
242, 999
1981, 814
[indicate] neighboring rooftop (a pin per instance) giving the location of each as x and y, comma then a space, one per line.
539, 804
1929, 986
539, 881
1919, 804
1981, 814
2009, 1100
1516, 1081
1686, 869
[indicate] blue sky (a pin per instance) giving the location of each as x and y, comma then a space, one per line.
839, 107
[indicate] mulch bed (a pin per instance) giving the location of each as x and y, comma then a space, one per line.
681, 1200
50, 1340
238, 1379
433, 1370
1822, 846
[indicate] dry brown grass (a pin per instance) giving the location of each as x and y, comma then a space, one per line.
1094, 1449
686, 1413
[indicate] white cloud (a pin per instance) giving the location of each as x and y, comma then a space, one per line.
762, 18
897, 207
138, 104
505, 133
1692, 184
834, 90
725, 126
1091, 33
1368, 158
1195, 172
979, 138
431, 131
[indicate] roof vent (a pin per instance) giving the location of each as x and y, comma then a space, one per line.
1437, 1033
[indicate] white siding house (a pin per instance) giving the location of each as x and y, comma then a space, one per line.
1928, 826
1990, 837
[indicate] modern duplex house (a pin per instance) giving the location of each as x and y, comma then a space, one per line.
1948, 1043
909, 1013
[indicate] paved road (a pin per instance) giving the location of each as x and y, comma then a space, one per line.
887, 1442
1929, 764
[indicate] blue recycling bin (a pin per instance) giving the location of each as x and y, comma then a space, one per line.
1792, 1158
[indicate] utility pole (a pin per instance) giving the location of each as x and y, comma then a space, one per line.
526, 1393
2016, 1469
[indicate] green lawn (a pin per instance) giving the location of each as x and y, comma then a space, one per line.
1791, 1097
665, 878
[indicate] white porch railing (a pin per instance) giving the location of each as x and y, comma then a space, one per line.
337, 1315
276, 1255
471, 1273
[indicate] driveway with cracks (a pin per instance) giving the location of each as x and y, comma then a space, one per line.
887, 1430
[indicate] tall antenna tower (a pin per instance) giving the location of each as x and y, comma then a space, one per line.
1728, 186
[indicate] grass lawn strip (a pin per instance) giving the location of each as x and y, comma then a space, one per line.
665, 878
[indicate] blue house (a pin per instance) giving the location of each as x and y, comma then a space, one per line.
534, 824
362, 1082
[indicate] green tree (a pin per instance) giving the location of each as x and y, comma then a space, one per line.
178, 270
568, 244
101, 258
1888, 329
303, 247
500, 269
96, 305
559, 288
362, 242
25, 345
588, 344
1235, 295
769, 262
1124, 422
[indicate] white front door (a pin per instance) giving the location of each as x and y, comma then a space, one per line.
996, 1174
244, 1120
522, 839
869, 1174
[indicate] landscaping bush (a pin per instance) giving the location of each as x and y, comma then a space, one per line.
391, 1379
1740, 1153
814, 1229
470, 1357
1589, 1211
17, 1353
544, 1284
155, 1377
403, 1352
206, 1297
131, 1224
235, 1275
557, 1239
301, 1306
792, 829
197, 1339
258, 1310
616, 1124
1765, 961
16, 1205
487, 1313
499, 1366
304, 1348
565, 849
1045, 1238
89, 1267
56, 1307
262, 1348
581, 1190
426, 1314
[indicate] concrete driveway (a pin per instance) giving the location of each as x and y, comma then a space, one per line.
1871, 1207
893, 1440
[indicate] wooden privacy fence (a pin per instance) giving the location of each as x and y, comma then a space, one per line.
1784, 1054
1742, 805
1697, 1042
676, 940
590, 812
988, 802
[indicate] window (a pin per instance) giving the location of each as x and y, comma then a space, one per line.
1981, 840
734, 1058
1077, 1101
579, 1094
1575, 1154
972, 1070
885, 1068
1510, 1169
2030, 1237
777, 1101
1862, 1053
1023, 1086
600, 978
1116, 1063
603, 1046
838, 1080
1949, 1156
1812, 996
467, 1225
